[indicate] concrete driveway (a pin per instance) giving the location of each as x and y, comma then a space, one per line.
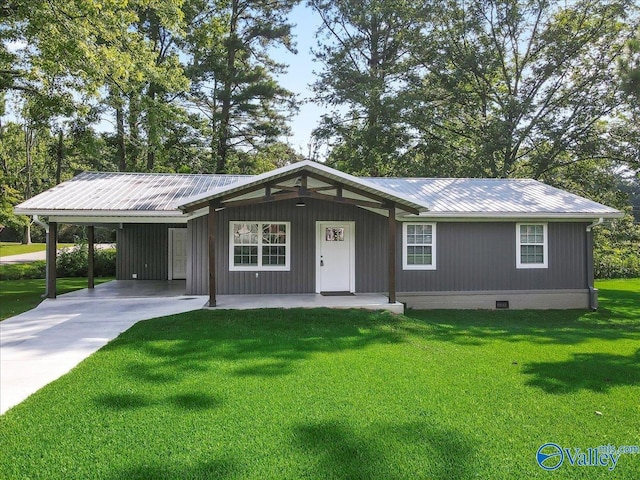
39, 346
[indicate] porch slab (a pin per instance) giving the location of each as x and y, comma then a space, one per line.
132, 289
366, 301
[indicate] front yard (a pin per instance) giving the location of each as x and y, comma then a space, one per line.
341, 394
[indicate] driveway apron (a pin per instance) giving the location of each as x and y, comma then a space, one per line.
41, 345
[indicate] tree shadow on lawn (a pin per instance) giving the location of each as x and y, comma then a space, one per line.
212, 469
184, 401
254, 343
591, 371
384, 451
545, 327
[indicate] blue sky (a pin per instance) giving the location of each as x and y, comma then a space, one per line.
300, 75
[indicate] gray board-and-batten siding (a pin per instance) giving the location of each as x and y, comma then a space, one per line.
474, 256
143, 250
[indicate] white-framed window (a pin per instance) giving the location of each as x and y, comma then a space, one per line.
259, 246
419, 246
532, 245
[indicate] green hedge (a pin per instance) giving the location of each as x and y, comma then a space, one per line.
71, 262
616, 263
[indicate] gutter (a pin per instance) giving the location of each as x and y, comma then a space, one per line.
593, 292
44, 225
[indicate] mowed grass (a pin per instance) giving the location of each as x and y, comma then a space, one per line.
17, 296
324, 394
11, 248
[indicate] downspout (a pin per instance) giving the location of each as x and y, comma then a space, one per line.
37, 221
593, 292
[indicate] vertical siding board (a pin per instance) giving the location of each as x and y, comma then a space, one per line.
481, 256
143, 249
470, 256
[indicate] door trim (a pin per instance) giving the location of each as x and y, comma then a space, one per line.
170, 253
352, 252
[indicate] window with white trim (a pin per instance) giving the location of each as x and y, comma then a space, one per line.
259, 246
531, 245
419, 246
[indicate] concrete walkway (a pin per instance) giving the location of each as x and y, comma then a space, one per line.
39, 346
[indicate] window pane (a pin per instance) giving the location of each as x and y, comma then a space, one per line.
532, 234
419, 234
531, 254
245, 256
274, 255
245, 233
419, 255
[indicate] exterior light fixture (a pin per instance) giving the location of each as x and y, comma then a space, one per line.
300, 203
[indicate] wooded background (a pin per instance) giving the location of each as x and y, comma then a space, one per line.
445, 88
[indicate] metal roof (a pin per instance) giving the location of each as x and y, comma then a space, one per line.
312, 167
121, 192
156, 194
482, 196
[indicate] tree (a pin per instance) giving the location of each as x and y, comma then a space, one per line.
368, 69
519, 88
232, 75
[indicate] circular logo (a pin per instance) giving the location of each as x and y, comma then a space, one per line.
550, 456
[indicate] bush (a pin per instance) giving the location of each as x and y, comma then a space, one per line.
23, 271
104, 263
616, 263
73, 262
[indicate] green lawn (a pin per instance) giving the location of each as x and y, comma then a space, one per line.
341, 394
17, 296
11, 248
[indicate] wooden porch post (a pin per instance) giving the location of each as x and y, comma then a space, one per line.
90, 246
211, 224
392, 253
52, 247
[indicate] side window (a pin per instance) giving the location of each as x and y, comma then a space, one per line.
531, 245
419, 246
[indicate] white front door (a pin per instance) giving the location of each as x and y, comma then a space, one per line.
177, 253
335, 262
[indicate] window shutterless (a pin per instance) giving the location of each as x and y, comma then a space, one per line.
259, 246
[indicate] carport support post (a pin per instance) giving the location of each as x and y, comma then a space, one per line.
52, 247
392, 253
90, 246
211, 226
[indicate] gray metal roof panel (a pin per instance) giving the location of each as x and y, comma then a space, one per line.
126, 191
499, 196
142, 193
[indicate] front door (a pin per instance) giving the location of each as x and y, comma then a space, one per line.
335, 257
177, 253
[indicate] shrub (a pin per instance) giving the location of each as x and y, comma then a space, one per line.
23, 271
73, 262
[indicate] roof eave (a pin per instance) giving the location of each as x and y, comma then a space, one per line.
522, 215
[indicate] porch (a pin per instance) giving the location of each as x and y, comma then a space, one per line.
176, 288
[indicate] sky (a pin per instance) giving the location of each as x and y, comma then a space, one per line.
300, 76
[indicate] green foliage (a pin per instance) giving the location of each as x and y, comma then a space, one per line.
23, 271
617, 249
233, 76
73, 262
328, 394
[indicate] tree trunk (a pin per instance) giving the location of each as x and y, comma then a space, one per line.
121, 151
152, 128
225, 114
59, 156
29, 140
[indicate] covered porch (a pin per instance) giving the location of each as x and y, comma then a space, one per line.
175, 288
